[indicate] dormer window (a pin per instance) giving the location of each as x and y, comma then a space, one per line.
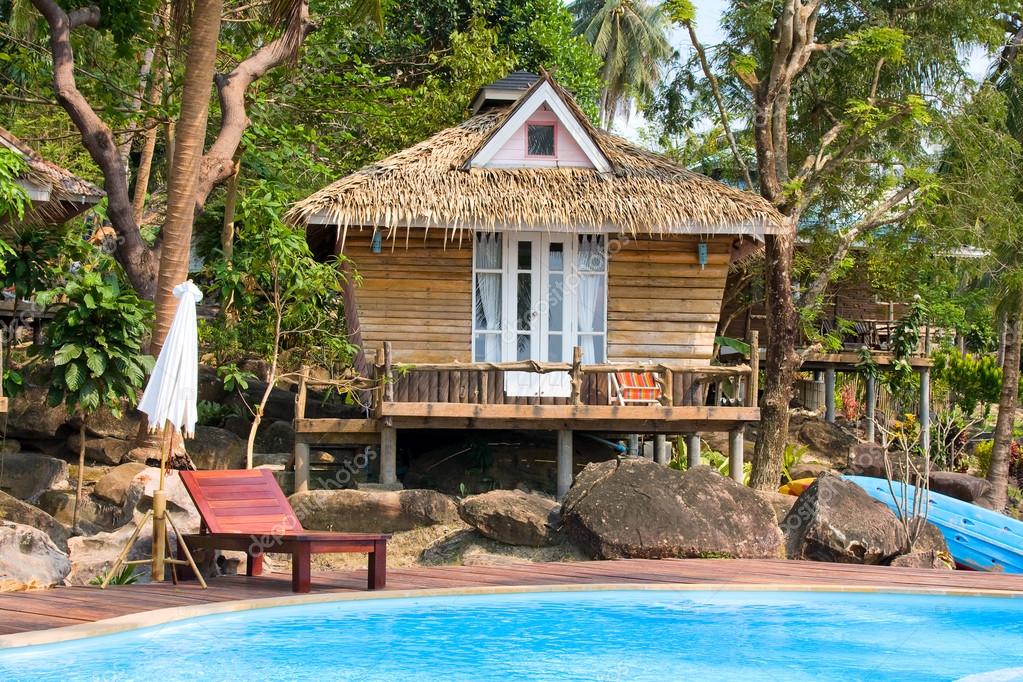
540, 139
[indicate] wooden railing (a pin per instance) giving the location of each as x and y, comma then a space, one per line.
483, 383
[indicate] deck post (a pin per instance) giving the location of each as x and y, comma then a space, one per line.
735, 454
754, 366
301, 466
660, 448
564, 462
576, 376
693, 449
925, 410
829, 395
633, 445
388, 455
871, 406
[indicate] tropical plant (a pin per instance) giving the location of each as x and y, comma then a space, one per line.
14, 199
792, 456
631, 37
971, 380
95, 345
126, 576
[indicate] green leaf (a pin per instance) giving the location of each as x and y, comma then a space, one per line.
95, 361
67, 353
73, 376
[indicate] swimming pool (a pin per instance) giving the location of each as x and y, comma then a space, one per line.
574, 635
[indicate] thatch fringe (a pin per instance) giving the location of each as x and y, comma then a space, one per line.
426, 185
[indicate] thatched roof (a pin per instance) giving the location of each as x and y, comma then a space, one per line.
67, 194
431, 185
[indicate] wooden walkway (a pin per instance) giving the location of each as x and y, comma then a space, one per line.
45, 609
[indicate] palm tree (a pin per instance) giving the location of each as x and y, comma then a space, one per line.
189, 142
631, 36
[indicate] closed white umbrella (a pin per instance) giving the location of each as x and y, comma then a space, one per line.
169, 403
171, 394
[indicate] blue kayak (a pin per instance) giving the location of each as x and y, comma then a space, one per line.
977, 538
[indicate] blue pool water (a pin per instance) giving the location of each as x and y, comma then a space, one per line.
619, 635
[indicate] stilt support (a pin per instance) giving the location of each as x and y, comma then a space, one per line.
564, 462
660, 448
735, 454
388, 455
871, 407
301, 466
829, 396
693, 450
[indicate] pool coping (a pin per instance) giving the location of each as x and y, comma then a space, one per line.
145, 619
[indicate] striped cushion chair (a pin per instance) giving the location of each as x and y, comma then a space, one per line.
635, 388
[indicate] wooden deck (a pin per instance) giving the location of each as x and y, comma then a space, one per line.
42, 610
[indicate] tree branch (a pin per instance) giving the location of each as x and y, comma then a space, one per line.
876, 218
218, 163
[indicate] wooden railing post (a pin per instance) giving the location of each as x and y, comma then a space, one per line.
753, 385
576, 375
301, 449
376, 396
666, 378
302, 393
388, 374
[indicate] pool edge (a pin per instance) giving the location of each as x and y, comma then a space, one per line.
144, 619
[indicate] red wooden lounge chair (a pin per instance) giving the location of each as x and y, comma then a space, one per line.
247, 511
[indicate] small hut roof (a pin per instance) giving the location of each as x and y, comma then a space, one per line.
65, 184
431, 184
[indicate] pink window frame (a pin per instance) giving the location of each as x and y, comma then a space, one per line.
551, 124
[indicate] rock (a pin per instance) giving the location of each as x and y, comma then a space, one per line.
280, 406
30, 417
322, 457
960, 486
836, 520
115, 484
29, 559
104, 450
9, 446
271, 459
27, 475
780, 502
93, 555
179, 503
867, 459
238, 425
278, 436
94, 516
928, 559
827, 443
373, 512
809, 470
105, 424
15, 511
635, 508
211, 386
510, 516
215, 448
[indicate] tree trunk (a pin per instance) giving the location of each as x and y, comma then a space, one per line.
190, 139
230, 202
81, 476
781, 362
145, 169
998, 470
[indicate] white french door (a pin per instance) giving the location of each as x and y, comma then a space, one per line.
536, 295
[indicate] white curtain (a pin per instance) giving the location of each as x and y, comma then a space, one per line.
488, 293
589, 258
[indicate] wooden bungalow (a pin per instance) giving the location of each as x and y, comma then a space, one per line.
525, 270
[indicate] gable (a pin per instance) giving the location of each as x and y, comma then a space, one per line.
506, 146
515, 152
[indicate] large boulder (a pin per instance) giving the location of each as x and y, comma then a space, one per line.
104, 450
635, 508
179, 503
29, 559
215, 448
928, 559
511, 516
30, 416
93, 555
95, 515
277, 436
373, 512
960, 486
15, 511
836, 520
105, 424
780, 503
115, 485
27, 475
828, 444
